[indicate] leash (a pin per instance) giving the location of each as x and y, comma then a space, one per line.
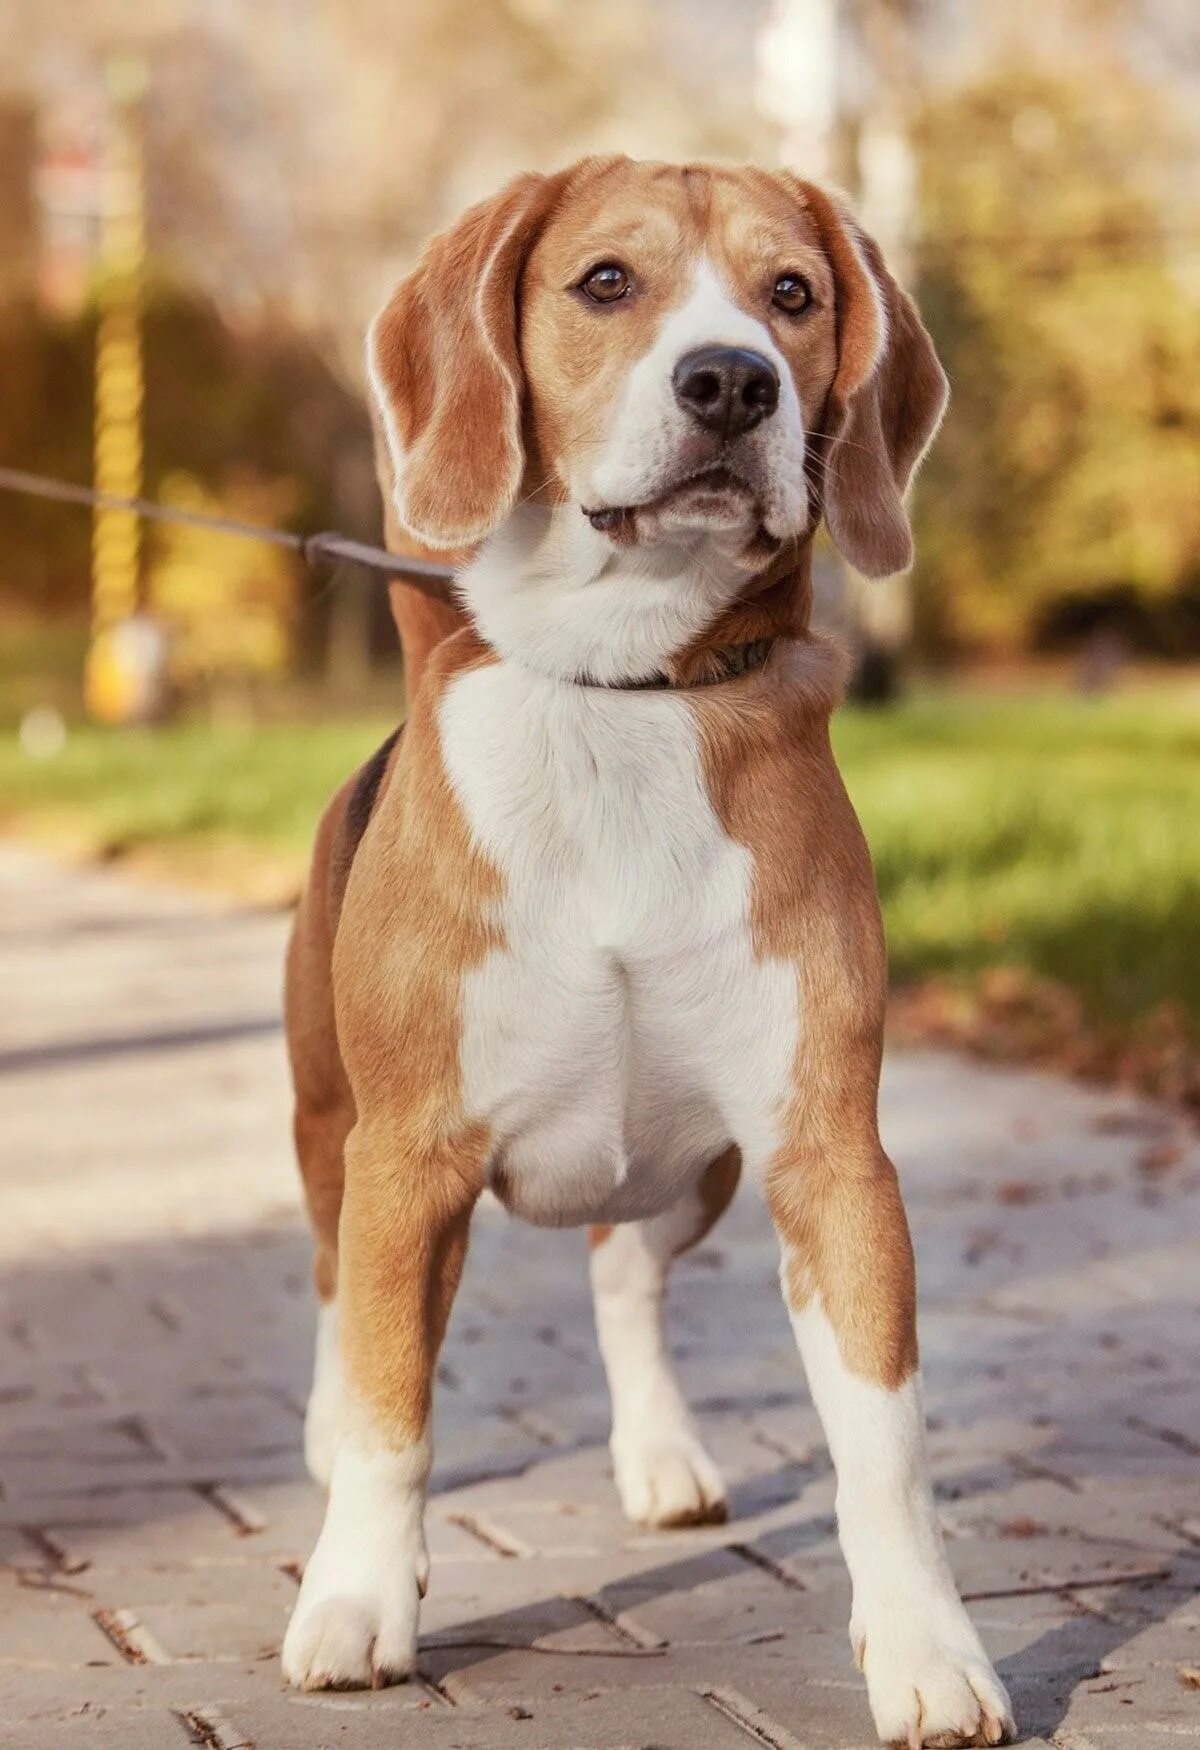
433, 580
430, 578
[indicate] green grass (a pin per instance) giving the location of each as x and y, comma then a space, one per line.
187, 788
1056, 835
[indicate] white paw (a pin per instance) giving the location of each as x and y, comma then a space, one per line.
355, 1621
350, 1642
668, 1479
929, 1680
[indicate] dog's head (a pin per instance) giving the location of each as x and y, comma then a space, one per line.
670, 352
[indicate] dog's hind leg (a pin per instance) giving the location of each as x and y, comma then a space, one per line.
663, 1473
324, 1117
324, 1103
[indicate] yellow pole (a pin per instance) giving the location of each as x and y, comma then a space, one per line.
117, 453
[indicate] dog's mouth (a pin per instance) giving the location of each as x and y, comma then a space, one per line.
713, 495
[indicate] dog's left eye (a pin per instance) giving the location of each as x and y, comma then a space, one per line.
792, 293
606, 283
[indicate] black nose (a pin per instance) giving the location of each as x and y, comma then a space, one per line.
727, 388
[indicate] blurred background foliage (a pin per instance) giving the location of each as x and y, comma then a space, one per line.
230, 601
1064, 291
224, 401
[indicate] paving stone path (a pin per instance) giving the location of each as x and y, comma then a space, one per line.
155, 1344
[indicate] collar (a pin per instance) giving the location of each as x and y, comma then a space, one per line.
728, 662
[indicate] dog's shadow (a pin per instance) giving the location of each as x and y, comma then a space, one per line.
475, 1657
231, 1407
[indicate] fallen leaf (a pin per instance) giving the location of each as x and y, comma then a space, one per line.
1159, 1157
1021, 1526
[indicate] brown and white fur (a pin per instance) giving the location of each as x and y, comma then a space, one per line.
596, 946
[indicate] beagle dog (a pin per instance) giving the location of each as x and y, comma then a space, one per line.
599, 931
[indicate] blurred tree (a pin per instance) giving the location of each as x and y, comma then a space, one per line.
224, 404
1064, 289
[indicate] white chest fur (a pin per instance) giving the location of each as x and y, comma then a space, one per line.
625, 1033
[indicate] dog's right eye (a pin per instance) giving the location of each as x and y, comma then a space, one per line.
605, 283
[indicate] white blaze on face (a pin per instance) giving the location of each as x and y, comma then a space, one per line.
647, 445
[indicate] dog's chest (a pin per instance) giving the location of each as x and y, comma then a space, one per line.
601, 1041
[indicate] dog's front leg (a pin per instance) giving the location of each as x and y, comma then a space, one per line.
848, 1280
403, 1237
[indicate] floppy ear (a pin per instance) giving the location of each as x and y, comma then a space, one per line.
445, 370
886, 403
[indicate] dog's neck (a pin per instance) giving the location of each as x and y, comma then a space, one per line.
549, 592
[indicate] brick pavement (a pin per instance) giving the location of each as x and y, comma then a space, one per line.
155, 1345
